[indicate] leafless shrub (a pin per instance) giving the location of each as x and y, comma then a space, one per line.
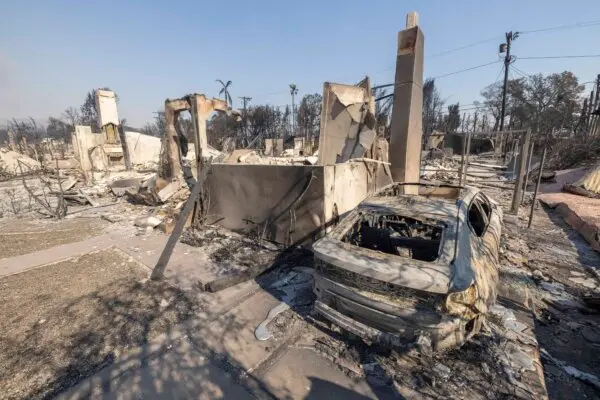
5, 172
15, 204
61, 148
574, 152
60, 211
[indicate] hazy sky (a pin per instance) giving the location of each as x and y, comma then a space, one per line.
52, 52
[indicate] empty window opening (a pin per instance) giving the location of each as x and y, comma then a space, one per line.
397, 235
477, 218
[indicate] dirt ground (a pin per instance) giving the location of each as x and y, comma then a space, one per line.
53, 334
22, 236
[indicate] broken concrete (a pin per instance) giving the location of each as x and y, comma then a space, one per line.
175, 143
347, 123
128, 185
10, 160
143, 148
590, 183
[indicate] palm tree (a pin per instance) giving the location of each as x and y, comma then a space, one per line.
225, 91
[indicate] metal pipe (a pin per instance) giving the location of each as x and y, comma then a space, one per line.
537, 187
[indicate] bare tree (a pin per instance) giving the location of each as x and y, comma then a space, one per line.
432, 107
72, 116
543, 103
309, 115
383, 109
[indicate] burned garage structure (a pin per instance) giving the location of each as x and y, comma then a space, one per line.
402, 266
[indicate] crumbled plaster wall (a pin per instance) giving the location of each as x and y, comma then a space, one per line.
142, 148
347, 123
86, 144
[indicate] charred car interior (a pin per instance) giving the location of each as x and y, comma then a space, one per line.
397, 235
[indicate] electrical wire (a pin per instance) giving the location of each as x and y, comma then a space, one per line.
492, 39
466, 46
555, 57
561, 27
465, 70
384, 97
498, 76
523, 74
439, 76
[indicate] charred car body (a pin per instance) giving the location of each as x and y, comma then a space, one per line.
401, 266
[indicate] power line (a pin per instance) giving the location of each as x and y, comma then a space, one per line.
464, 47
466, 69
498, 76
436, 77
384, 97
554, 57
523, 74
560, 27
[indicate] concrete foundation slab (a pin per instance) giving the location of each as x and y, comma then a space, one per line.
183, 372
303, 374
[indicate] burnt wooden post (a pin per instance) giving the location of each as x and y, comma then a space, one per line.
528, 170
161, 265
537, 188
517, 194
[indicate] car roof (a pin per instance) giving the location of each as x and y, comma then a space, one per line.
438, 202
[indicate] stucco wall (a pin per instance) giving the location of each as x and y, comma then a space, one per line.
85, 140
142, 148
347, 184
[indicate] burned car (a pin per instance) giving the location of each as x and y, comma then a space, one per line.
399, 266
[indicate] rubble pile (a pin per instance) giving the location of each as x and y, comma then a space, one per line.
226, 247
9, 163
441, 169
248, 156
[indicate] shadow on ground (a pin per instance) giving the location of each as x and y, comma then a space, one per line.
567, 329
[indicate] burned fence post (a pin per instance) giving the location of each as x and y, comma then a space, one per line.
467, 152
124, 147
528, 170
462, 160
537, 188
161, 265
524, 141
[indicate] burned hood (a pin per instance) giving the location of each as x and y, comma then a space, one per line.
423, 244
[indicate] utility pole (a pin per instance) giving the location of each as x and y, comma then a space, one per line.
245, 100
505, 48
293, 92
